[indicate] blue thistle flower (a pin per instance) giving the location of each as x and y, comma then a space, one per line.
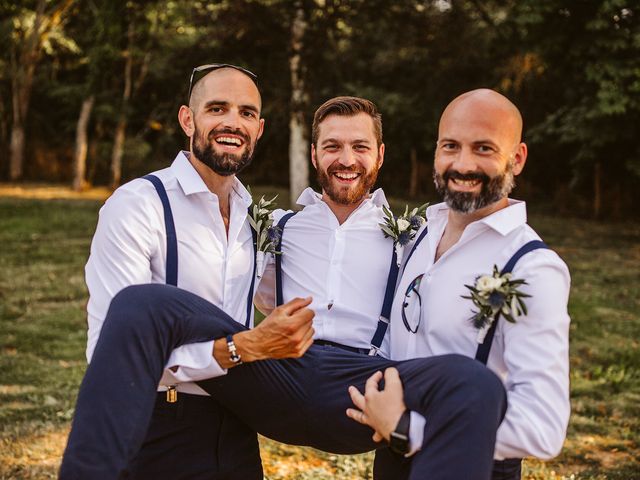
404, 238
496, 300
415, 221
273, 234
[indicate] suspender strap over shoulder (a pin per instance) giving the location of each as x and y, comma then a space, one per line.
482, 353
283, 221
254, 236
171, 275
415, 245
385, 314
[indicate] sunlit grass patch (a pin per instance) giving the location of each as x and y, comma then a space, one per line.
44, 246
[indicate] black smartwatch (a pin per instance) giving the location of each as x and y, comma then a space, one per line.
399, 438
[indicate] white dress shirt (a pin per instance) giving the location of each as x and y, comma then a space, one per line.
530, 356
343, 267
129, 247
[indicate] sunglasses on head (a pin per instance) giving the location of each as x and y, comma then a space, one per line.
202, 70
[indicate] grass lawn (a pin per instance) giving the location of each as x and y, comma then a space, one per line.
44, 245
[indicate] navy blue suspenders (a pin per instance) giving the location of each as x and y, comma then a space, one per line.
281, 223
482, 354
171, 275
383, 320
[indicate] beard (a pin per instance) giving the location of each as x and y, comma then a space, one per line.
224, 164
343, 194
492, 189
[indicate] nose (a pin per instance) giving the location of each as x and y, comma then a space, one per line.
347, 158
231, 118
465, 161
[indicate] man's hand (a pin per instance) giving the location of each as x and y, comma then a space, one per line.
287, 332
380, 409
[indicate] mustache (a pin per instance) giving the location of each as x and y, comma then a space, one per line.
336, 167
456, 175
237, 132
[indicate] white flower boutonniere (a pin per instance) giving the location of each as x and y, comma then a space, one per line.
404, 227
495, 295
267, 234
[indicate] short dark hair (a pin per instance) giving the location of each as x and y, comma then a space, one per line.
347, 107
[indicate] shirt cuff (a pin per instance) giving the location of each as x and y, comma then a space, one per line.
416, 432
191, 363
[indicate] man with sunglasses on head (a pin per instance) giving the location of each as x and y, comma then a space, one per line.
186, 226
478, 153
335, 250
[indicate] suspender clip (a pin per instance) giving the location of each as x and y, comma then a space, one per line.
172, 394
373, 351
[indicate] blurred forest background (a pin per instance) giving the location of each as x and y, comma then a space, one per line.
90, 88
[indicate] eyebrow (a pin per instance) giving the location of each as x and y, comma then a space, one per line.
223, 103
335, 140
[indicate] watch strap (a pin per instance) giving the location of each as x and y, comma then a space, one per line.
399, 438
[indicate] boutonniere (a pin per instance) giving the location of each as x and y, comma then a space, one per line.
495, 295
267, 234
403, 228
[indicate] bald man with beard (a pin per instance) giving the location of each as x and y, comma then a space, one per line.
478, 153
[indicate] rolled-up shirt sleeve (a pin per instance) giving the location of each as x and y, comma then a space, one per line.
536, 356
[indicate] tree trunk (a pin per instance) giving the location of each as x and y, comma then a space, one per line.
80, 156
415, 174
25, 55
597, 190
121, 127
298, 138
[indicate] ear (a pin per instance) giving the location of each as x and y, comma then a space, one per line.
520, 158
380, 155
261, 130
185, 118
314, 160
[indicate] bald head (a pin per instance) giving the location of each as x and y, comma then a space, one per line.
479, 151
487, 107
223, 81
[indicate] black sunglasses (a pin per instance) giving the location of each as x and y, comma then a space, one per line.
412, 298
202, 70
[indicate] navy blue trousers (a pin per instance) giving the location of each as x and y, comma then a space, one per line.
196, 438
297, 401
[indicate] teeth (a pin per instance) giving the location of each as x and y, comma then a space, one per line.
230, 140
346, 176
465, 183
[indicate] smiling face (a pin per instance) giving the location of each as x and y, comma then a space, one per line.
347, 157
478, 151
223, 120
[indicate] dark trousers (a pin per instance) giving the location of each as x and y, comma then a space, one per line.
299, 401
196, 438
391, 466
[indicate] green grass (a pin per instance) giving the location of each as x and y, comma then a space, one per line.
43, 248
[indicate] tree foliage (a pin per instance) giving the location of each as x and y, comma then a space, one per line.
572, 67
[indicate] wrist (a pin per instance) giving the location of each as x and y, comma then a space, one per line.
399, 437
247, 346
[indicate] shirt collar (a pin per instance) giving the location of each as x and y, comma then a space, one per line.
311, 197
191, 182
504, 221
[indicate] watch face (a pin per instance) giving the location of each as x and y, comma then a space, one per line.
399, 443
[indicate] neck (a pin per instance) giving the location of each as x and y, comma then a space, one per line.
219, 184
458, 221
341, 210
